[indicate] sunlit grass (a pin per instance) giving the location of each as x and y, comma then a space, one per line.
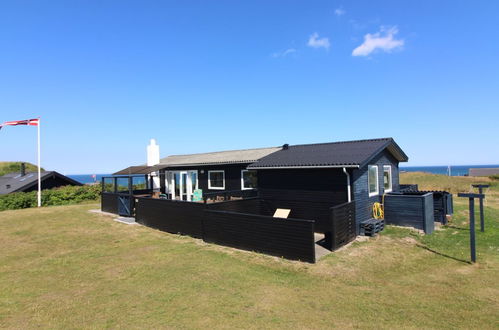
63, 267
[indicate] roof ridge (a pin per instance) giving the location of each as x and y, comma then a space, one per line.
218, 152
340, 142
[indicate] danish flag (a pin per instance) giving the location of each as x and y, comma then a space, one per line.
29, 122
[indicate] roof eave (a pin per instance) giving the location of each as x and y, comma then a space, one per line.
395, 150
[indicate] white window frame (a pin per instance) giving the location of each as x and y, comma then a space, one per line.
371, 194
209, 180
242, 180
389, 168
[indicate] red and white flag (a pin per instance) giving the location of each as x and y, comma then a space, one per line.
29, 122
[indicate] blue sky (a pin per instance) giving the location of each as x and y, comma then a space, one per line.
106, 76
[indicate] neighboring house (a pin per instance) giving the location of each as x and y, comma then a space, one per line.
308, 179
28, 181
483, 171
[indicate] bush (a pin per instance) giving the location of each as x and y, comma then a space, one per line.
494, 177
57, 196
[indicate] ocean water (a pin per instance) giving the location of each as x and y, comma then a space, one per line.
457, 170
87, 178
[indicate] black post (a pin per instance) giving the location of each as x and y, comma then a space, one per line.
471, 198
480, 190
472, 229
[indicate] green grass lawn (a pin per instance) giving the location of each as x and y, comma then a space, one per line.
63, 267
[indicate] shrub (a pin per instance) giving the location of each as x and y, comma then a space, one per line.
494, 177
57, 196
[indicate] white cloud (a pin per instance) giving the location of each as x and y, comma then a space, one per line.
383, 40
339, 11
315, 42
284, 53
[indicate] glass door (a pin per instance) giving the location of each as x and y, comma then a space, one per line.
183, 184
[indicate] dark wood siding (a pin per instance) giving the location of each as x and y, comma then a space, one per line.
232, 176
364, 203
308, 193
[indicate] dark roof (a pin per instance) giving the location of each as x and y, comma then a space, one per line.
335, 154
483, 171
14, 182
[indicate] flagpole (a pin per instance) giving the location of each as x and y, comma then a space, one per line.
39, 171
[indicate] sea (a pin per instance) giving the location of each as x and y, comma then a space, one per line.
87, 178
456, 170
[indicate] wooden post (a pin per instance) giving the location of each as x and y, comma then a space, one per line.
471, 198
480, 191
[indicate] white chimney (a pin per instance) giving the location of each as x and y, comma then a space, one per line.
153, 159
152, 153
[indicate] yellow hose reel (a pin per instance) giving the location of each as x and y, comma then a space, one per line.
379, 210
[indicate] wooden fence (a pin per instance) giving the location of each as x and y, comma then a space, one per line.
109, 202
410, 210
218, 223
343, 224
288, 238
176, 217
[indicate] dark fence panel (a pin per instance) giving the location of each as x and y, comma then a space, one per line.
226, 195
442, 203
250, 205
109, 202
304, 204
410, 210
288, 238
177, 217
343, 224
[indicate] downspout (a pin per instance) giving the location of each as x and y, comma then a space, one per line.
349, 188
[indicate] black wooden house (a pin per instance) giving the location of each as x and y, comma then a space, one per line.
308, 179
312, 177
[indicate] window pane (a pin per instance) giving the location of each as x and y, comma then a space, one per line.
122, 184
373, 180
216, 179
139, 183
249, 179
109, 185
176, 183
387, 178
194, 180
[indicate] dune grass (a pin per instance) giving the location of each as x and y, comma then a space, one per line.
63, 267
10, 167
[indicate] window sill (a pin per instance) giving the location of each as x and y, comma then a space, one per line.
216, 188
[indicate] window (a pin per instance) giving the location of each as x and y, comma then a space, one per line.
387, 178
373, 180
248, 179
216, 179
